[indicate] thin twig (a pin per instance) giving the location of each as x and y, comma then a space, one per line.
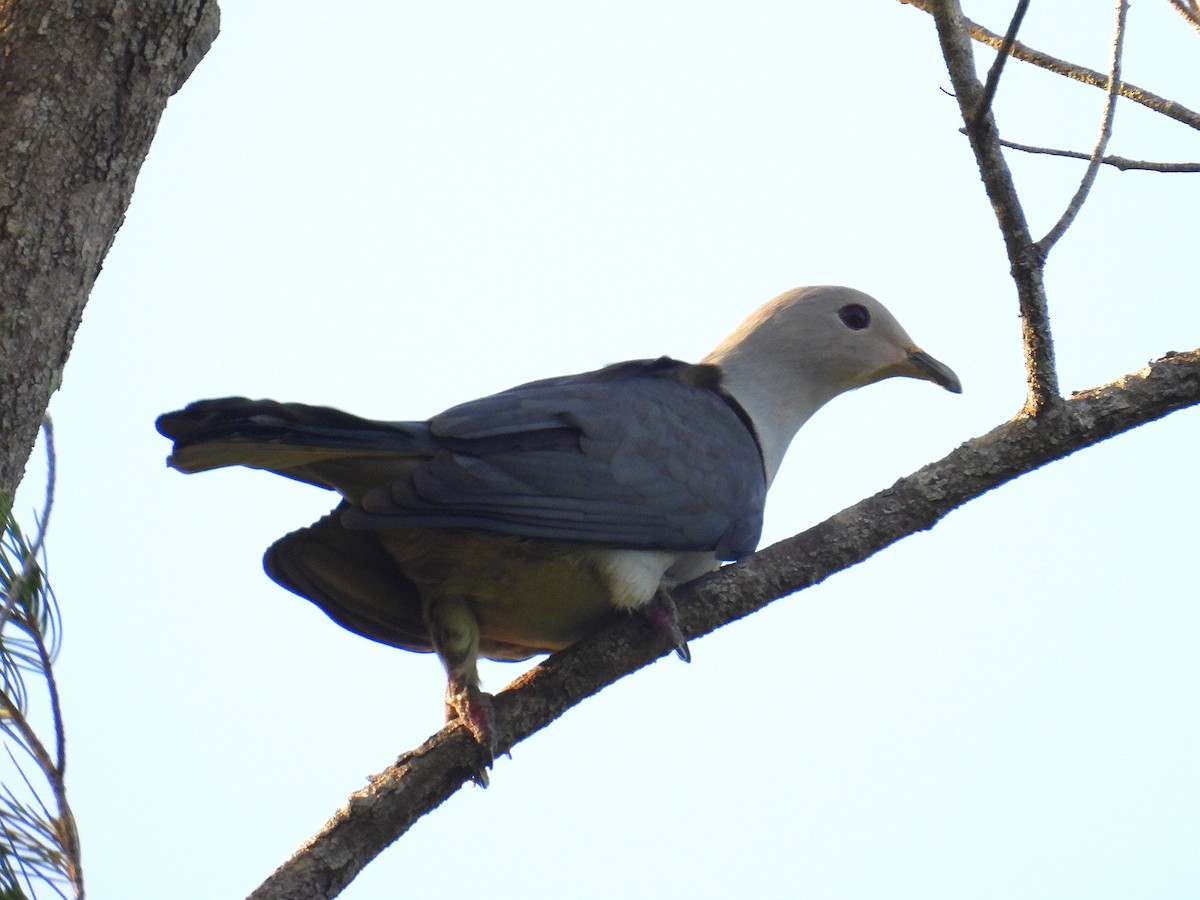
29, 739
993, 78
67, 833
1169, 108
1189, 10
1117, 162
1106, 127
420, 780
60, 740
1024, 257
17, 586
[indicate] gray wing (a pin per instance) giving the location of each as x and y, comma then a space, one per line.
647, 454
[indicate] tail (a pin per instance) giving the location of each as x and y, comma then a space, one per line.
315, 444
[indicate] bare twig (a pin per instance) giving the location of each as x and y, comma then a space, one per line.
419, 781
1024, 256
1117, 162
993, 78
15, 720
66, 831
1106, 122
1150, 100
1189, 10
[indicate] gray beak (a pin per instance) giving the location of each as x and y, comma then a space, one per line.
925, 366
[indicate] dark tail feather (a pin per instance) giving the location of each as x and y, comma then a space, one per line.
308, 443
267, 421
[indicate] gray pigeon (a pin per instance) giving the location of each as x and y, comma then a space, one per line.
515, 524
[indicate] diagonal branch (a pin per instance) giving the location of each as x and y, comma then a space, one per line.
420, 780
1166, 107
993, 78
83, 88
1189, 9
1106, 123
1025, 258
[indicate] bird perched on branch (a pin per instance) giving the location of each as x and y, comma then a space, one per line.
515, 524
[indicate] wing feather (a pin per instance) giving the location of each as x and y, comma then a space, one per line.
644, 454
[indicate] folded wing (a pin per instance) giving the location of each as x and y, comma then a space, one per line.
641, 455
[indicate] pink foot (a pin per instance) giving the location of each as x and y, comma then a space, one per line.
663, 618
471, 706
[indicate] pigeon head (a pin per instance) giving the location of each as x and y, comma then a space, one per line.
799, 351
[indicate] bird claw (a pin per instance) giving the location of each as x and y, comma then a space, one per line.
664, 618
473, 707
480, 776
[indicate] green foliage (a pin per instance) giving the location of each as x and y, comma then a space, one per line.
39, 846
29, 619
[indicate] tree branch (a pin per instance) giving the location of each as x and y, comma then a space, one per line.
1150, 100
1117, 162
1189, 10
420, 780
1106, 121
84, 86
1025, 258
993, 79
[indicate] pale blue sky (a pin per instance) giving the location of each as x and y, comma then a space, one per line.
411, 204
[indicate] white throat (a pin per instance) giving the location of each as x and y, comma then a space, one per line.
778, 402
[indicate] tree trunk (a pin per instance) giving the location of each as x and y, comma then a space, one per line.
82, 86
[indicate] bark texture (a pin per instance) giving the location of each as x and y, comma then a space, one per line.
83, 84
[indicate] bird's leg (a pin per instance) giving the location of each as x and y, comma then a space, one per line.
454, 632
661, 613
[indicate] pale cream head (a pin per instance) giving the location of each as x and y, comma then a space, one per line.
799, 351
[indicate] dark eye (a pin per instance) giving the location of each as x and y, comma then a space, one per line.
854, 315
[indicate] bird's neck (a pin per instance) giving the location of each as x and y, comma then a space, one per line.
777, 406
